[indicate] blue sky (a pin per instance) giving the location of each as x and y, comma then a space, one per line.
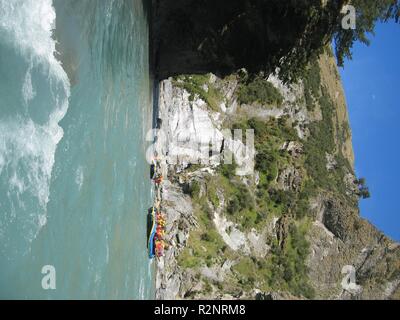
372, 85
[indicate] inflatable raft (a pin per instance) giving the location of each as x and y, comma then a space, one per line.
151, 231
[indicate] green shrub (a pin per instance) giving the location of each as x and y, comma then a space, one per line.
194, 189
282, 198
312, 84
240, 200
260, 91
289, 267
320, 142
205, 237
271, 131
228, 170
267, 163
249, 219
233, 205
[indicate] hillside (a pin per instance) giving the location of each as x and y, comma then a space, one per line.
289, 228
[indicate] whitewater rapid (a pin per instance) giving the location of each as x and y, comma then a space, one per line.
34, 100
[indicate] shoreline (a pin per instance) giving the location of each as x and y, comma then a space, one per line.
154, 88
159, 168
154, 110
174, 205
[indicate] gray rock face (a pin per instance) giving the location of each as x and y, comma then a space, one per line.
180, 237
180, 220
289, 179
340, 242
331, 163
188, 128
335, 220
191, 132
229, 232
351, 186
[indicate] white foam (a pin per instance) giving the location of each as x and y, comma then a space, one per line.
79, 177
29, 23
42, 220
27, 148
28, 92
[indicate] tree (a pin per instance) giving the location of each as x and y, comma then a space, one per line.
361, 182
369, 12
364, 193
325, 26
363, 188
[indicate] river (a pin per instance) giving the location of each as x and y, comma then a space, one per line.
75, 104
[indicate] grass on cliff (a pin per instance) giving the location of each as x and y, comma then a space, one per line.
320, 142
200, 85
260, 91
284, 269
269, 162
205, 246
312, 85
288, 262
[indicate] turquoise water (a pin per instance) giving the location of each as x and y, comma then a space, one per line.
75, 104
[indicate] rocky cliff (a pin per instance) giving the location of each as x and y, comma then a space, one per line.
279, 221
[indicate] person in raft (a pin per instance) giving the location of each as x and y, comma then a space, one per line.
162, 223
158, 179
160, 232
159, 248
161, 219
